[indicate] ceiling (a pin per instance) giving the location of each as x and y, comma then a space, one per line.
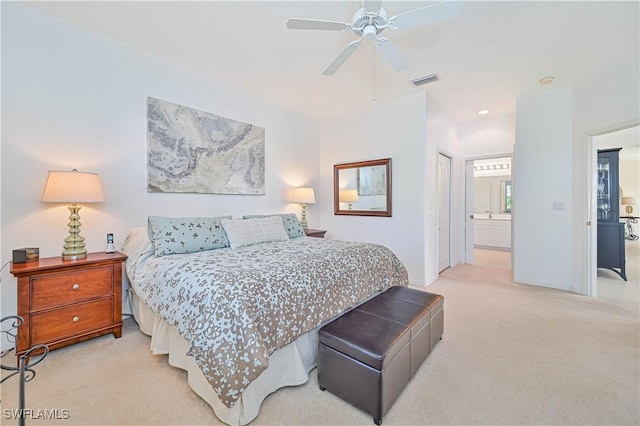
485, 57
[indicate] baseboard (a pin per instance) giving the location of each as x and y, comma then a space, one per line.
518, 280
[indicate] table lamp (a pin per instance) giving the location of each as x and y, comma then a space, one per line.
348, 196
73, 187
303, 196
628, 202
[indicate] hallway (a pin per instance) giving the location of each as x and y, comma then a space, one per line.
500, 259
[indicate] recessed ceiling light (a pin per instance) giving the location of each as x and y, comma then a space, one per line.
483, 112
547, 80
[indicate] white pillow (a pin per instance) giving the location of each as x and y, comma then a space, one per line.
246, 232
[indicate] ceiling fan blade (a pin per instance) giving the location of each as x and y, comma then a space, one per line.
341, 58
313, 24
433, 13
372, 6
392, 54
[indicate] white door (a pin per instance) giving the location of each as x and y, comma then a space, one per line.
469, 203
444, 211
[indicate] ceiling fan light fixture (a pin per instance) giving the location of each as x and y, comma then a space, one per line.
369, 21
363, 19
431, 78
369, 32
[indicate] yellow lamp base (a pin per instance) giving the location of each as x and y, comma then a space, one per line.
303, 218
74, 245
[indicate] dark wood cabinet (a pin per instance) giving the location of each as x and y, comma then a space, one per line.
610, 230
64, 302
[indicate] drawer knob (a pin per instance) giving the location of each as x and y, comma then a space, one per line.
75, 286
75, 319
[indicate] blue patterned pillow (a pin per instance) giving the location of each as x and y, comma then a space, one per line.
177, 235
289, 220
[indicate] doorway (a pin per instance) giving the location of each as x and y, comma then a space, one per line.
608, 285
488, 211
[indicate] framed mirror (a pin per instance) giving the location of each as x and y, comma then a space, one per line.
363, 188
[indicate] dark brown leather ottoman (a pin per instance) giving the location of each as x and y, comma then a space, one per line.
416, 317
368, 355
434, 302
365, 360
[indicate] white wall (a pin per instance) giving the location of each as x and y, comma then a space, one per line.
2, 261
442, 137
630, 181
486, 136
74, 99
542, 181
393, 130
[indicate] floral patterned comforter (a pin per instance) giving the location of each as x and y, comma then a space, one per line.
235, 307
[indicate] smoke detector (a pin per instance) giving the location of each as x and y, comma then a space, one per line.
547, 80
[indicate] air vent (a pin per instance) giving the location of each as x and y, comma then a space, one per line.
424, 80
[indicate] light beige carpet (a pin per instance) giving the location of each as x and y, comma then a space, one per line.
511, 355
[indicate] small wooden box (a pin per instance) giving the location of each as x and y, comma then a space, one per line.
24, 255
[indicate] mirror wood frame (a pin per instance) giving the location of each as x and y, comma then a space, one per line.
386, 162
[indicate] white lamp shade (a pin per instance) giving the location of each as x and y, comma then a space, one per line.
302, 196
72, 187
628, 200
348, 195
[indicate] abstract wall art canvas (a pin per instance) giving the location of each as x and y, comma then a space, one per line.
198, 152
372, 180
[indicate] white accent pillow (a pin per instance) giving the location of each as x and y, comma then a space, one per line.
246, 232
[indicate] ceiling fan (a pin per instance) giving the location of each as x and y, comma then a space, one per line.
371, 20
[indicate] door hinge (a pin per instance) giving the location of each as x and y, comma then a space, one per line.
588, 223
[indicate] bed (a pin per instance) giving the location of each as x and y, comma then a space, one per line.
242, 318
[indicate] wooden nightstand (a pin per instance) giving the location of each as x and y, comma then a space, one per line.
318, 233
64, 302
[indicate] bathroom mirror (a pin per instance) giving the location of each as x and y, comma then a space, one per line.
363, 188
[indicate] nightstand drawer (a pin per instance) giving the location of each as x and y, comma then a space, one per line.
72, 320
62, 289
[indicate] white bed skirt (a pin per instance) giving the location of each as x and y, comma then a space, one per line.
288, 366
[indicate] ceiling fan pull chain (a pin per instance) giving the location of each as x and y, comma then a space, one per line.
374, 73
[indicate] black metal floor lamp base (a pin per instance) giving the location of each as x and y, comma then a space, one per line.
26, 362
